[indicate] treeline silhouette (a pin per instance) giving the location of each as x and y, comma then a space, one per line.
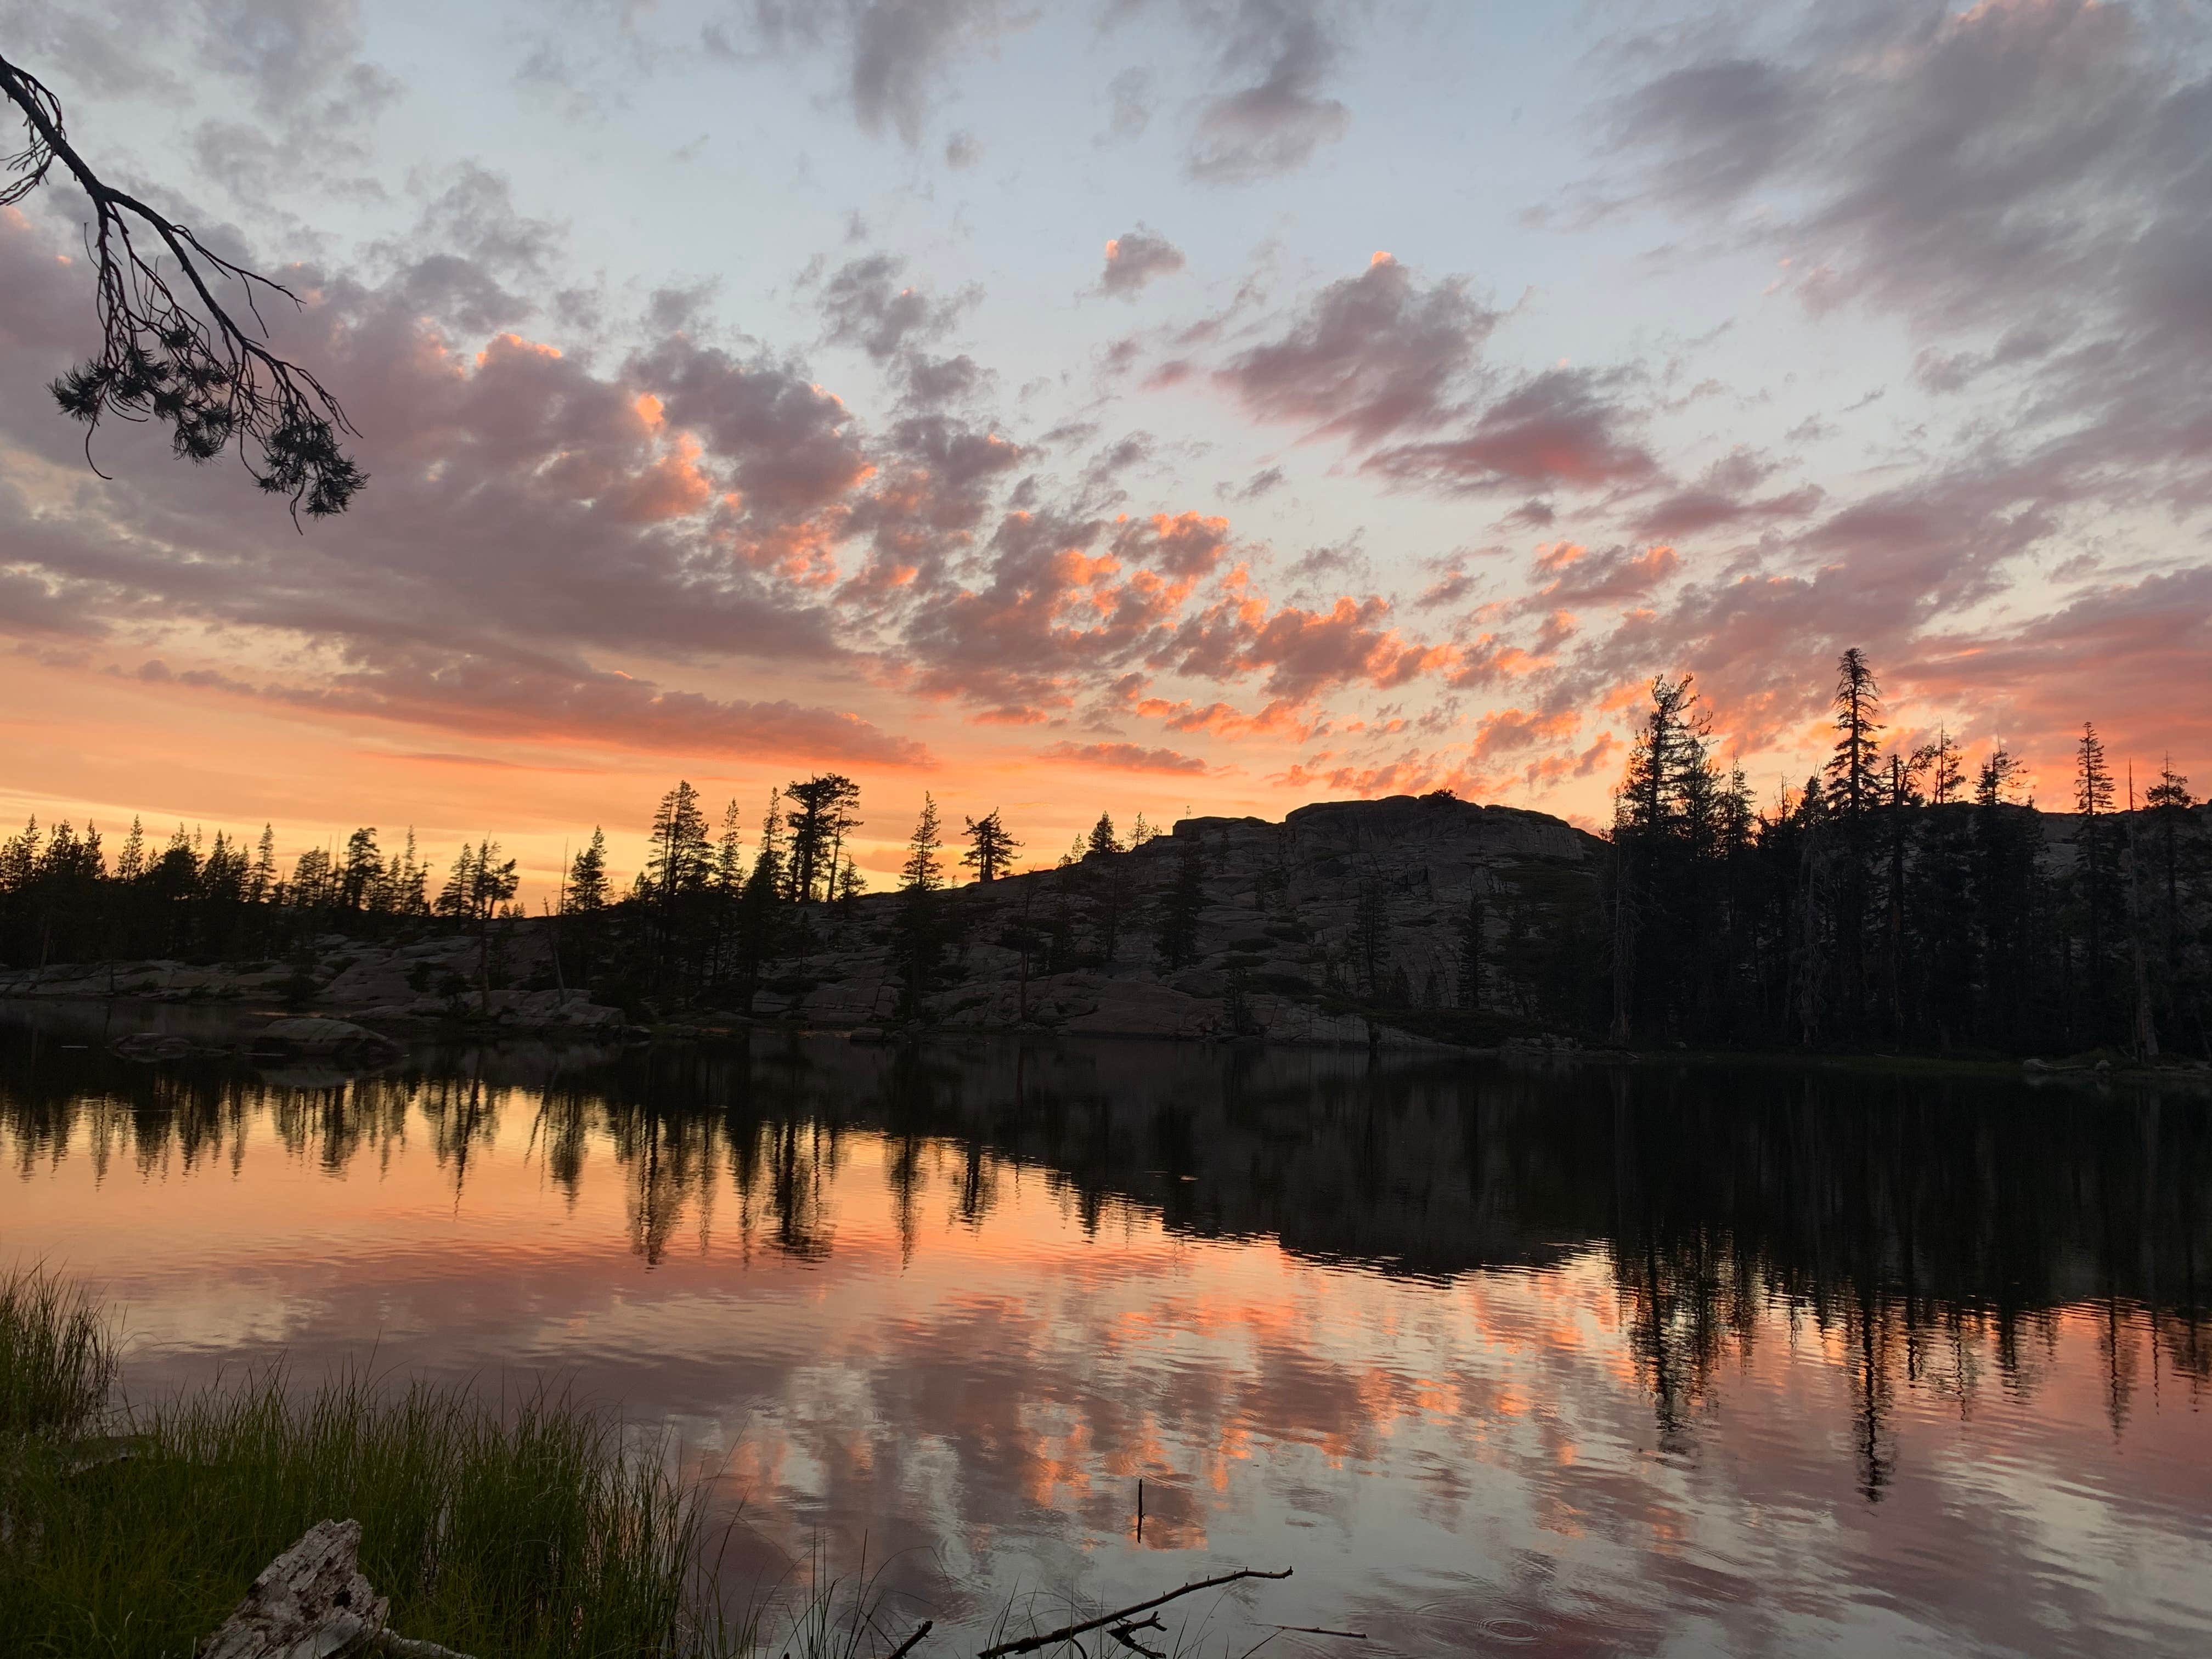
1899, 898
1894, 899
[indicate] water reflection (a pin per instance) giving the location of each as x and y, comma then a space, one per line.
1733, 1361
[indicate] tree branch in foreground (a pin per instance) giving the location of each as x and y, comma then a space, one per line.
181, 357
1032, 1644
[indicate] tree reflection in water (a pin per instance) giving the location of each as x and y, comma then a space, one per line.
1921, 1231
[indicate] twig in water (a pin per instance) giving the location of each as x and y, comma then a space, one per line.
1032, 1644
1126, 1634
1316, 1630
907, 1646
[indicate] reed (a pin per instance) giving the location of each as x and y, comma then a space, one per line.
56, 1357
521, 1527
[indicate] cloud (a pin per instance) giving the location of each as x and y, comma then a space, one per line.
1559, 429
1724, 496
1136, 257
899, 54
1569, 573
1278, 57
1123, 758
1368, 357
488, 698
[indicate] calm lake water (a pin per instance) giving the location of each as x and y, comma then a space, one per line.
1744, 1361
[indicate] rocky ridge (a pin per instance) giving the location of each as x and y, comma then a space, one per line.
1278, 940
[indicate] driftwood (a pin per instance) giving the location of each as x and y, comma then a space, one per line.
913, 1641
312, 1603
1121, 1616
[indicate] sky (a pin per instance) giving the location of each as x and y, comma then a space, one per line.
1170, 406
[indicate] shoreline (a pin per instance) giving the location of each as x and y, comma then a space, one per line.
240, 1028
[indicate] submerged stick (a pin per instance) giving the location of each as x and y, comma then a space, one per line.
1032, 1644
906, 1646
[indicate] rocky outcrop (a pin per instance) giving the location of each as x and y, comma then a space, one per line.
1289, 914
423, 979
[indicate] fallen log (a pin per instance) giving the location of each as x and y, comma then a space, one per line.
312, 1602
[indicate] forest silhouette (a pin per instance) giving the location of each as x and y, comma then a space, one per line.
1899, 898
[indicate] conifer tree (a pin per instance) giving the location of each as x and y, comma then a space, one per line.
587, 893
918, 929
991, 849
823, 815
1853, 769
261, 882
682, 858
1102, 838
360, 871
924, 869
131, 862
729, 855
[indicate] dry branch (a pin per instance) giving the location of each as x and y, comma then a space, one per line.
1120, 1615
179, 356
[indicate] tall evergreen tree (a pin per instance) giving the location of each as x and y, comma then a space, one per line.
1854, 769
681, 859
918, 928
991, 849
131, 862
823, 815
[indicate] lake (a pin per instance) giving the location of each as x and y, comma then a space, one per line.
1662, 1360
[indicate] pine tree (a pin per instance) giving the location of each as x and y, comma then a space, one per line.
924, 869
1946, 774
360, 871
2094, 796
681, 857
2093, 779
19, 857
767, 877
587, 894
261, 882
991, 849
457, 896
729, 855
1993, 783
1102, 838
918, 928
131, 862
823, 815
2169, 800
1853, 768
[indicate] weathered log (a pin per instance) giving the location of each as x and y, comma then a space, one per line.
312, 1602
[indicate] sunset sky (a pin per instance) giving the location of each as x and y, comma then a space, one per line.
1171, 405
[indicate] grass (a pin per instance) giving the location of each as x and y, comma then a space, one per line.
56, 1359
523, 1531
510, 1530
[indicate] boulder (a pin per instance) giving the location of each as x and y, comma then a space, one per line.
312, 1035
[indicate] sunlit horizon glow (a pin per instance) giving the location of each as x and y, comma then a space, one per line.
1169, 407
